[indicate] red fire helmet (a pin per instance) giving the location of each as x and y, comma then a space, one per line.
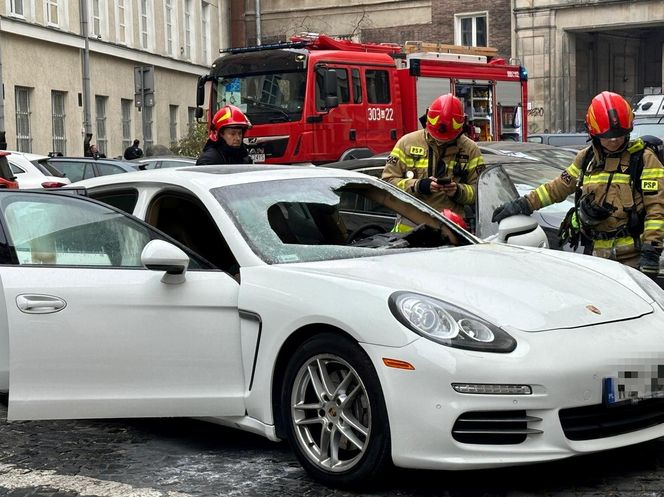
455, 218
445, 118
609, 116
228, 115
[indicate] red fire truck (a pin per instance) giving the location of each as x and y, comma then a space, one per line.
319, 99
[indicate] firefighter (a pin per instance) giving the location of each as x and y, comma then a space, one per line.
438, 164
618, 186
225, 144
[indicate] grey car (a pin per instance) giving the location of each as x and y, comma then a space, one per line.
80, 168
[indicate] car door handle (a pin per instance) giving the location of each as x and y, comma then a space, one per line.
39, 304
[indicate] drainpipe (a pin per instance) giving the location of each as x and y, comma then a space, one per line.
85, 65
3, 135
258, 22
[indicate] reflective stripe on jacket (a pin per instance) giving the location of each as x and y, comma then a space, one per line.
461, 160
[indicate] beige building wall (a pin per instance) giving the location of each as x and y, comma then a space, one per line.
574, 50
47, 58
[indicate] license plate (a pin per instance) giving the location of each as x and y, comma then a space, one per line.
257, 157
634, 386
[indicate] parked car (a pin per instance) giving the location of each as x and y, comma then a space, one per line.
577, 140
653, 126
556, 156
7, 178
424, 349
79, 168
31, 172
160, 162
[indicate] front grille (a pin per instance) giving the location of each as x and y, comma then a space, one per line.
494, 427
600, 421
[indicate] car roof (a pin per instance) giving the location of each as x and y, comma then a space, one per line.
164, 157
128, 165
207, 177
27, 155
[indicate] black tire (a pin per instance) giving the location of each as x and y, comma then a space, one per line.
354, 427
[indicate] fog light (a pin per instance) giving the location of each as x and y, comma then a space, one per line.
489, 389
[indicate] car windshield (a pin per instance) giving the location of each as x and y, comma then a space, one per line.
555, 156
314, 219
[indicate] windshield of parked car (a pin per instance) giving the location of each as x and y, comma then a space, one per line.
322, 218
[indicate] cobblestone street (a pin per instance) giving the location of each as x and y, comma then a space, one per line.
187, 458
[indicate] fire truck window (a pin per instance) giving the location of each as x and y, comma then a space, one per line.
378, 86
357, 86
343, 91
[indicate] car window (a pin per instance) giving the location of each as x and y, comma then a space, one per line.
494, 188
378, 86
535, 139
653, 129
47, 168
76, 171
106, 169
16, 169
5, 170
124, 200
527, 177
56, 230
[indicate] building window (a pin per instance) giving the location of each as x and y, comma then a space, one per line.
169, 16
23, 138
147, 128
95, 17
58, 116
188, 15
173, 123
100, 116
17, 7
472, 29
127, 139
52, 12
205, 31
145, 24
191, 117
121, 18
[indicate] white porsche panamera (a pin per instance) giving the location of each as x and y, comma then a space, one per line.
252, 296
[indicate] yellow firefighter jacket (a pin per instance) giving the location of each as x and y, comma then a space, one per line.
610, 181
417, 156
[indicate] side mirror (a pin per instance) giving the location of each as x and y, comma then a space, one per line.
520, 230
200, 90
159, 255
198, 112
330, 86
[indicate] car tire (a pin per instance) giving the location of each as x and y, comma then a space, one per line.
334, 412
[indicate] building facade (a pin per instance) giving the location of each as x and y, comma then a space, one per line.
574, 50
140, 60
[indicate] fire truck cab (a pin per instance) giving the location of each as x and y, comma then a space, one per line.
319, 99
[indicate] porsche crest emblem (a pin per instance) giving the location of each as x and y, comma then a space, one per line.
593, 309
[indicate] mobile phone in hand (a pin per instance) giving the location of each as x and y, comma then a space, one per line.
445, 180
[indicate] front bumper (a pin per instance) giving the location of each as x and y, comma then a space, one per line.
564, 368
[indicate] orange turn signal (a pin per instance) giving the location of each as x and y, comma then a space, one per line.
397, 364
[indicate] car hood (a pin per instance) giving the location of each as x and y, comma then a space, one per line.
512, 287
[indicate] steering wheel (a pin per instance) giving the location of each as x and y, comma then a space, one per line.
365, 231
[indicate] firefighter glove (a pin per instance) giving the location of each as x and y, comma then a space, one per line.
649, 263
424, 185
512, 208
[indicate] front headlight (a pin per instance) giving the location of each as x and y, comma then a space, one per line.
447, 324
647, 285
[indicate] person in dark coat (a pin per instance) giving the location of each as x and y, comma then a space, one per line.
134, 151
225, 144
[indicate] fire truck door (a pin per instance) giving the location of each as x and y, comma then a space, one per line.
341, 128
508, 102
383, 124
